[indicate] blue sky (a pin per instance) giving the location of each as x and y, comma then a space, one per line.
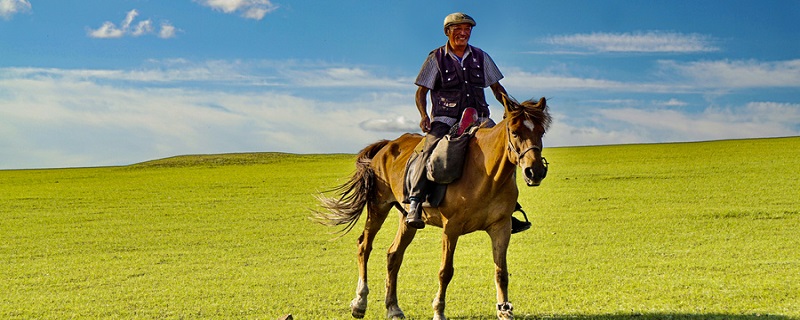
115, 82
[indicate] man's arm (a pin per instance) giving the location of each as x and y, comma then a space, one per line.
422, 106
498, 91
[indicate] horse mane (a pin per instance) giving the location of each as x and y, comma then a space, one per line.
536, 111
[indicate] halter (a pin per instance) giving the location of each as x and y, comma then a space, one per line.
514, 150
521, 154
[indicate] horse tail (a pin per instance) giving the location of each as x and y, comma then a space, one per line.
353, 195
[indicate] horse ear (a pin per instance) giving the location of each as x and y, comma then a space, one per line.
509, 104
542, 104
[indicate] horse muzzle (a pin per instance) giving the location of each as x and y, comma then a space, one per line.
534, 175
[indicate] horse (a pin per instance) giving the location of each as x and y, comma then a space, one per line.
483, 198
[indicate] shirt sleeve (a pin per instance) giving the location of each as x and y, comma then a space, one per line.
492, 73
428, 73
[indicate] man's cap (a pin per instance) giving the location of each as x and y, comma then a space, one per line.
457, 18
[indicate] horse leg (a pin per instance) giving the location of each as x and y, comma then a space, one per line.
501, 236
449, 241
394, 259
375, 218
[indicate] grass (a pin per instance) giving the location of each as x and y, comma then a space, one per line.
666, 231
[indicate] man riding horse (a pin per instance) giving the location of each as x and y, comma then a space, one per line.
456, 75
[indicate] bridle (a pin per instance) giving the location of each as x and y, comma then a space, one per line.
519, 154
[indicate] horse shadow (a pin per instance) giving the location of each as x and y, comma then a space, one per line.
637, 316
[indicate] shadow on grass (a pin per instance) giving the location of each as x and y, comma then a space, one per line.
644, 316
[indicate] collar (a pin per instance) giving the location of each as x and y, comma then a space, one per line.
450, 53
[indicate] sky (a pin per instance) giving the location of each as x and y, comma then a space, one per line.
116, 82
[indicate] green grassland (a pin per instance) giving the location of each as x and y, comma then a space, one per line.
706, 230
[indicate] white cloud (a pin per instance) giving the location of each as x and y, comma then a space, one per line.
565, 134
676, 77
129, 19
250, 9
634, 125
343, 77
651, 41
238, 73
73, 117
86, 118
109, 30
143, 27
735, 74
396, 124
753, 120
167, 31
106, 31
9, 8
672, 103
545, 82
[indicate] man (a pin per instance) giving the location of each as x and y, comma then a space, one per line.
455, 75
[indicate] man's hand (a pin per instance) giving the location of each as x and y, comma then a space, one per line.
422, 102
425, 124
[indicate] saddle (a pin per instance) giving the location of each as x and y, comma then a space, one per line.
446, 161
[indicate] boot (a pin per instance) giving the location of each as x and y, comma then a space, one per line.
519, 226
516, 224
414, 217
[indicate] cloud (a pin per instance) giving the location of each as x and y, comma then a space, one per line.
672, 103
167, 31
737, 74
397, 124
639, 42
250, 9
72, 117
88, 117
343, 77
673, 77
754, 119
8, 8
143, 27
519, 80
256, 74
109, 30
625, 125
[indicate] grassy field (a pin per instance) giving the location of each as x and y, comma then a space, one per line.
667, 231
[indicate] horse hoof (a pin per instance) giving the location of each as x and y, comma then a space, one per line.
358, 312
505, 311
395, 313
505, 316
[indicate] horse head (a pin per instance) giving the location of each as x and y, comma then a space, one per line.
526, 124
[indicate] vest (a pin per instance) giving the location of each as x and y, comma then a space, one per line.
459, 87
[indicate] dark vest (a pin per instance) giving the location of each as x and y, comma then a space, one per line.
459, 87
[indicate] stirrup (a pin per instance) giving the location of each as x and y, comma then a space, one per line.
516, 224
414, 215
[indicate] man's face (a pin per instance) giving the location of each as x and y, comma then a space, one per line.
458, 36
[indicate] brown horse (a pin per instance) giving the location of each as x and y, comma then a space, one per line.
482, 199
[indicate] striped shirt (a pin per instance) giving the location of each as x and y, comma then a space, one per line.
429, 72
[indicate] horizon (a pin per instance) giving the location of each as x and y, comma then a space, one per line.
114, 83
355, 153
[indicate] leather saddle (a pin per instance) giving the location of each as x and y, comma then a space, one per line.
436, 191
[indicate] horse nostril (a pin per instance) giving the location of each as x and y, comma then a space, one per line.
529, 173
